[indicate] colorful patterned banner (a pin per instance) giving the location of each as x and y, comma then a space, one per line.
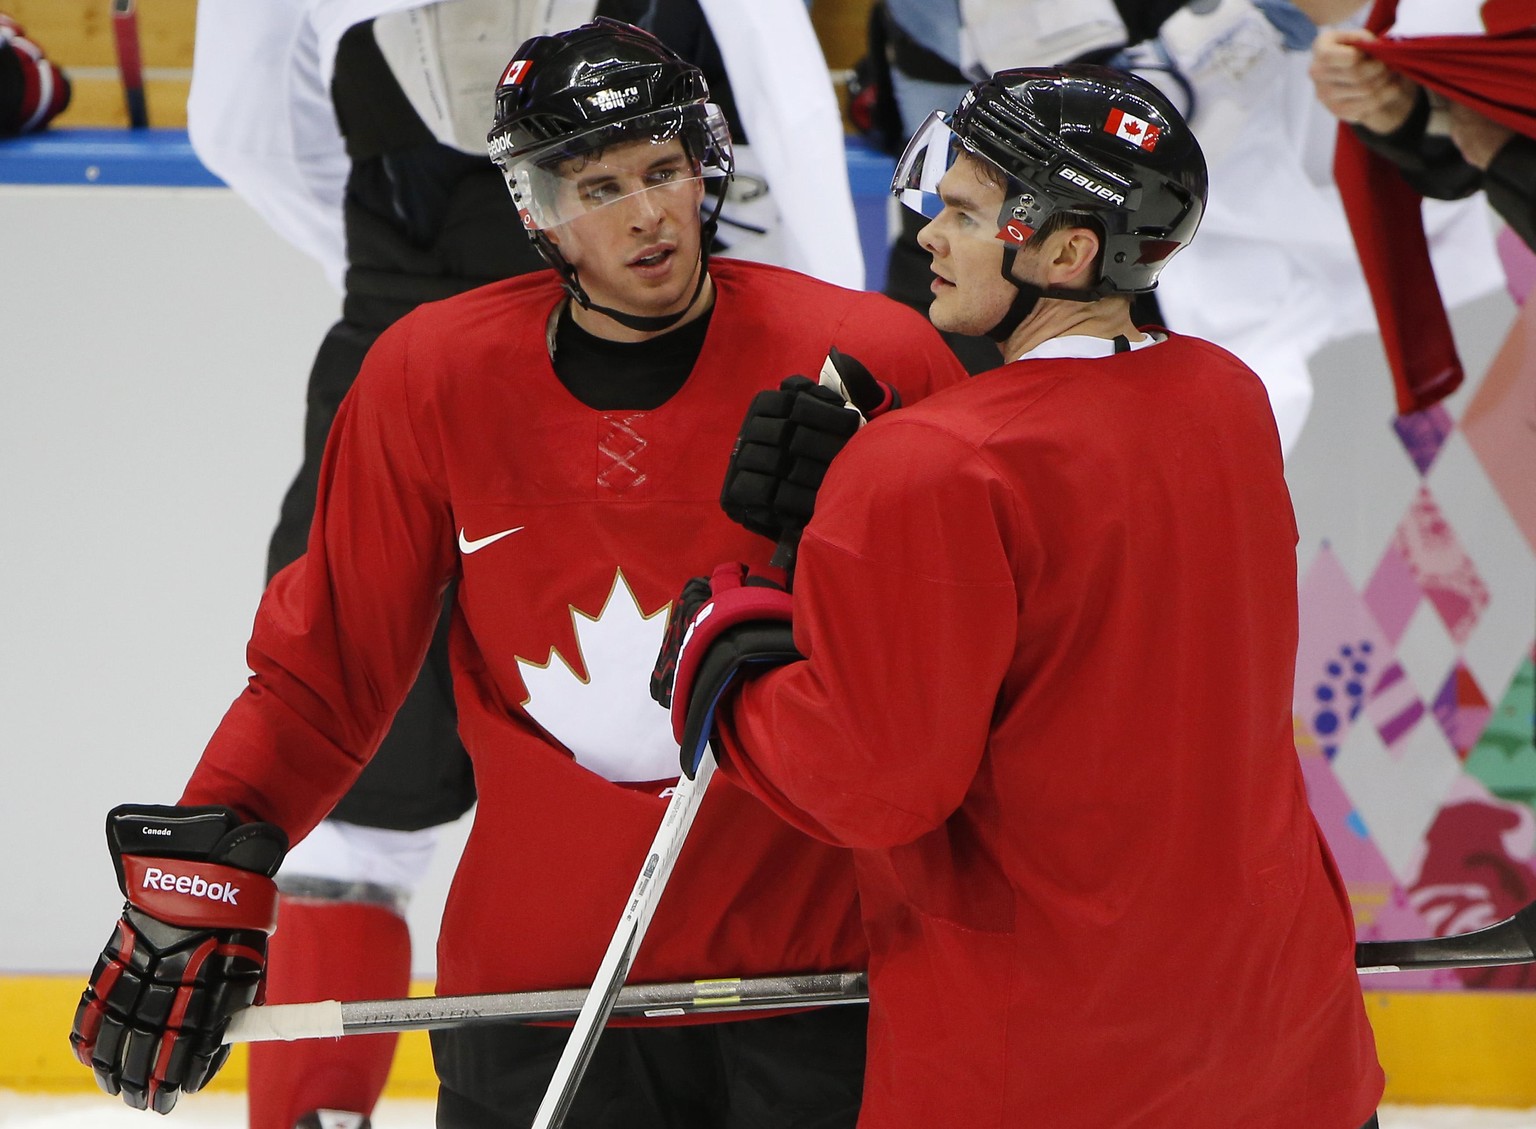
1415, 702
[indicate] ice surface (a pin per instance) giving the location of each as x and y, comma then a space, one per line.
221, 1111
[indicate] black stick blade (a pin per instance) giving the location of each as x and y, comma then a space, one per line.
1511, 941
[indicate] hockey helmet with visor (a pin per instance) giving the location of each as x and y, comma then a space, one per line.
588, 118
1100, 147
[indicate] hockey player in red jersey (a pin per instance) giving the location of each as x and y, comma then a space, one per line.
355, 151
551, 446
1048, 621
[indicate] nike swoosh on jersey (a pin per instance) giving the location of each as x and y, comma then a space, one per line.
466, 546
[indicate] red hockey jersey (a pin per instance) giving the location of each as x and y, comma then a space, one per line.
1049, 620
459, 456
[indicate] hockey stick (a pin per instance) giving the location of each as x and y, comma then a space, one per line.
675, 823
125, 31
604, 993
330, 1019
1511, 941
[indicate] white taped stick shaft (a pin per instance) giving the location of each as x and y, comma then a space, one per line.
321, 1020
831, 378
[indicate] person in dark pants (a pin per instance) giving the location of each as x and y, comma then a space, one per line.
422, 215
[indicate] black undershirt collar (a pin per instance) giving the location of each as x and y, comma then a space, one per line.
625, 375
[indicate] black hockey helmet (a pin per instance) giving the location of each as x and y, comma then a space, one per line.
578, 92
1078, 139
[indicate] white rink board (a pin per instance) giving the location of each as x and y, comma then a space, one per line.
157, 343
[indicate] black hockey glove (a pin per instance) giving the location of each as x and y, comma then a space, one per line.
788, 440
718, 625
189, 951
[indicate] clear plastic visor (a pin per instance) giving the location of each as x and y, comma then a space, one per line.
966, 203
930, 154
589, 171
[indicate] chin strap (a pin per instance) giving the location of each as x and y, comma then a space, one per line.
1027, 295
640, 322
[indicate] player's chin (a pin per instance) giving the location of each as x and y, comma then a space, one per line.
670, 293
947, 311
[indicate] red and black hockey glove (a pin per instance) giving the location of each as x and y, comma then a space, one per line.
718, 625
32, 90
189, 951
789, 438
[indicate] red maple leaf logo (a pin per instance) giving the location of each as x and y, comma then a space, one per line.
1131, 127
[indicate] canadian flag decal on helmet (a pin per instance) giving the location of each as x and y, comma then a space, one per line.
516, 71
1128, 127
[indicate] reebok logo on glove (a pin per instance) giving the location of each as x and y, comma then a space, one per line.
194, 884
198, 894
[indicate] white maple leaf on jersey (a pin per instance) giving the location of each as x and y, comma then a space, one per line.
607, 720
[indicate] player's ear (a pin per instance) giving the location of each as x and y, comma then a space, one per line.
1070, 255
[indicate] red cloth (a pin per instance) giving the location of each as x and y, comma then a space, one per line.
326, 950
1494, 74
